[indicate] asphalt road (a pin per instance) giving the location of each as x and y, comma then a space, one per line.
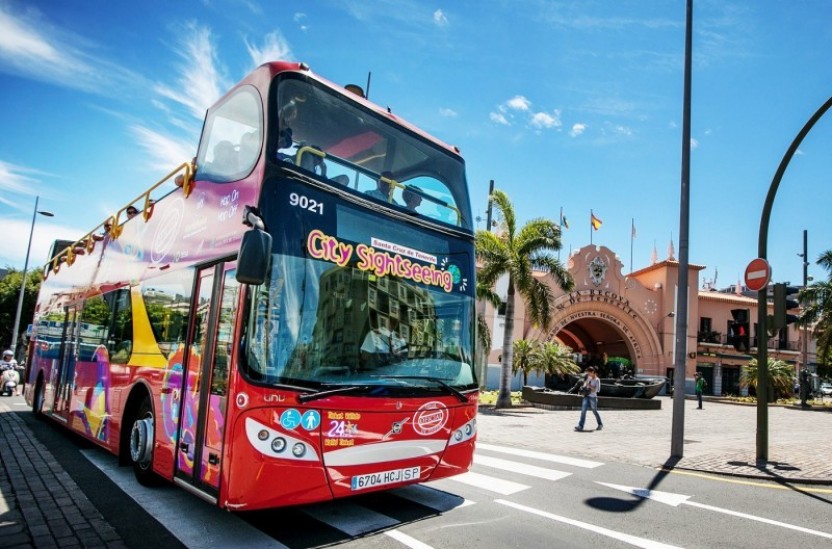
527, 499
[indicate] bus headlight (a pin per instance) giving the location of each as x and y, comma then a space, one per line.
279, 444
469, 429
263, 434
299, 449
458, 435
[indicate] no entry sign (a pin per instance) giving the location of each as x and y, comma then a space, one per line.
757, 274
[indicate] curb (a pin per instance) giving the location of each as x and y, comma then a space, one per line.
778, 480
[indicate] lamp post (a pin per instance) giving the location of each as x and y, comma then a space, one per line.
13, 345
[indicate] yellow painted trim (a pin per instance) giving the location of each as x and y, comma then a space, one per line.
773, 484
145, 351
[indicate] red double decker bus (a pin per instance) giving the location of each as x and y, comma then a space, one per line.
320, 348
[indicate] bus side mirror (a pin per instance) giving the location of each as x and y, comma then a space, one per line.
254, 258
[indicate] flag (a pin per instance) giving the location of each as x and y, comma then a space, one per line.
594, 221
563, 221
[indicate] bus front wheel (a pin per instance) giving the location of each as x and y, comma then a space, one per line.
141, 445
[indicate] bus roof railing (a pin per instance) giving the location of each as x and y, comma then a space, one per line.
113, 225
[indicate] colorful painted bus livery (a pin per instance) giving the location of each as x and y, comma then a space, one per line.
324, 347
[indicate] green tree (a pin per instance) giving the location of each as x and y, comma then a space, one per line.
9, 295
780, 377
542, 357
817, 311
520, 254
523, 357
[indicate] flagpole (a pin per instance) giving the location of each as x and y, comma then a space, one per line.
590, 226
632, 237
561, 231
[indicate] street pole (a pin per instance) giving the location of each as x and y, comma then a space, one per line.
680, 358
482, 305
805, 346
762, 295
15, 328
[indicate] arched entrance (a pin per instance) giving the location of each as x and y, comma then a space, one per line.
598, 323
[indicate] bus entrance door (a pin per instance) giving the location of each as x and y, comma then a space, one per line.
202, 425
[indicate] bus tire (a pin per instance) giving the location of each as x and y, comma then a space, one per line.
141, 444
37, 399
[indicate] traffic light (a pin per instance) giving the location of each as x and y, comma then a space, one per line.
783, 302
738, 335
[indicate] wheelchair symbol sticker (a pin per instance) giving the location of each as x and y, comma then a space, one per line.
290, 419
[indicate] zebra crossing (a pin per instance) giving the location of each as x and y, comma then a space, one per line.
443, 496
341, 521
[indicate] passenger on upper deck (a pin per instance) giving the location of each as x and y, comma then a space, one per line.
412, 199
131, 212
383, 190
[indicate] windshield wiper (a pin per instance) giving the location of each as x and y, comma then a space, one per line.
452, 391
307, 397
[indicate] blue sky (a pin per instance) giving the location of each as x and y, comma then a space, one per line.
572, 104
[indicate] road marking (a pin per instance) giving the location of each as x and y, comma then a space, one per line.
520, 468
492, 484
675, 500
354, 520
759, 519
748, 482
432, 498
620, 536
202, 526
413, 543
554, 458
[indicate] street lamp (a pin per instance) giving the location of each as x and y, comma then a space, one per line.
13, 345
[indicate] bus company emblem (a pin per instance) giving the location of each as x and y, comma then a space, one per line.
166, 231
430, 418
242, 400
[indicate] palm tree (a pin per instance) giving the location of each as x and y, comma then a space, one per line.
518, 254
523, 357
817, 309
780, 377
542, 357
556, 359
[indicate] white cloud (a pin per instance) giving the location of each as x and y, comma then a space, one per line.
200, 82
694, 144
499, 118
17, 180
164, 152
32, 47
577, 129
544, 120
518, 103
448, 113
440, 18
274, 48
15, 231
298, 17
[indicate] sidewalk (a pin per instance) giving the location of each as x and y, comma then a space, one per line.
40, 505
719, 439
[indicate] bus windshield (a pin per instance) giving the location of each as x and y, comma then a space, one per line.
336, 138
354, 298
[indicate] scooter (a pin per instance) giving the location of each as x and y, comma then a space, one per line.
9, 382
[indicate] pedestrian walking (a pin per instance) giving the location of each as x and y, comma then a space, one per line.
700, 387
589, 389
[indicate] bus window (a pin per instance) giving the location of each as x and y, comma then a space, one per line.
96, 320
232, 137
321, 133
120, 340
167, 299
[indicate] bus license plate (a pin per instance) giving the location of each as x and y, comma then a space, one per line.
362, 482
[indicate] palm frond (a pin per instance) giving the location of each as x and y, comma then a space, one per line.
505, 210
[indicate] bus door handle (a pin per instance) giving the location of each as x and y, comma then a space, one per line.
213, 458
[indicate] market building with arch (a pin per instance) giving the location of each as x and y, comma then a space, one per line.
630, 319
